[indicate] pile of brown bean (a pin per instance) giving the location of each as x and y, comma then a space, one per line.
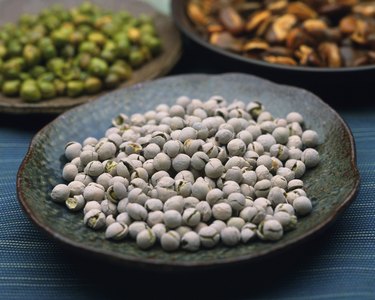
317, 33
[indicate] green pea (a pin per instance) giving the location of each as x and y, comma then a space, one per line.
30, 91
47, 76
47, 89
108, 55
98, 67
136, 58
13, 67
124, 72
31, 54
123, 47
49, 51
97, 37
112, 81
11, 87
83, 60
152, 43
147, 29
14, 48
89, 47
93, 85
36, 71
60, 87
25, 76
68, 51
75, 88
76, 37
60, 37
55, 64
3, 51
51, 22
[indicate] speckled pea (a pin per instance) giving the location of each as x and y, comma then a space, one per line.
230, 236
310, 138
94, 168
262, 188
277, 195
116, 231
219, 225
230, 187
72, 150
297, 166
94, 219
222, 211
224, 136
236, 201
204, 210
209, 237
172, 148
190, 241
190, 202
236, 147
159, 230
151, 150
266, 140
75, 203
245, 136
105, 150
310, 157
248, 232
295, 153
136, 211
281, 135
302, 206
187, 133
294, 141
146, 239
289, 222
270, 230
191, 217
181, 162
155, 217
174, 203
170, 241
162, 162
70, 171
60, 193
294, 117
236, 222
136, 227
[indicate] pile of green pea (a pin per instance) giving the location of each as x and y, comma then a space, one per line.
72, 52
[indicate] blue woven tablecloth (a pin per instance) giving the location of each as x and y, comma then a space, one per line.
340, 264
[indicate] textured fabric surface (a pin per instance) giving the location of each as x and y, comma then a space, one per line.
339, 264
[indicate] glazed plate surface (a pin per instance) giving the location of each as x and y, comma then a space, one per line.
11, 10
331, 186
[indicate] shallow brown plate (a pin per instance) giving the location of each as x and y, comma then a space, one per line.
10, 10
332, 185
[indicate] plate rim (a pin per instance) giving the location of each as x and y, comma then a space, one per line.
26, 108
157, 264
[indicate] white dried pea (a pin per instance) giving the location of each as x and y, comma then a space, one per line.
60, 193
116, 231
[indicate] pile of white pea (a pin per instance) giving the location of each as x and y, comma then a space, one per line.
192, 174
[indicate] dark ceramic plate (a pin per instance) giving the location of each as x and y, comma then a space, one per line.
316, 79
332, 185
10, 10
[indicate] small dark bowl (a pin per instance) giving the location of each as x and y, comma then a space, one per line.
319, 80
